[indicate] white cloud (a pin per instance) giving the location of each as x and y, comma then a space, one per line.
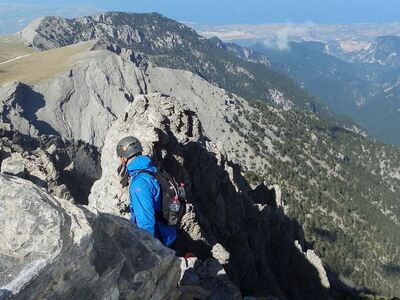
284, 35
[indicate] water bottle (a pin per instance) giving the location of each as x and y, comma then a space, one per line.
181, 191
174, 209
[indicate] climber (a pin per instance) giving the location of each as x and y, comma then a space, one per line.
144, 191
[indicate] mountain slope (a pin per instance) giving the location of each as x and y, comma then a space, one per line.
384, 51
222, 217
79, 103
366, 92
12, 46
333, 80
170, 44
38, 66
342, 186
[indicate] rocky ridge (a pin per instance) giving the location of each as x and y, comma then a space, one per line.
65, 169
82, 106
231, 114
218, 216
167, 43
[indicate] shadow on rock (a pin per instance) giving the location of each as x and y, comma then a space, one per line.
30, 102
132, 259
50, 162
325, 234
5, 294
259, 247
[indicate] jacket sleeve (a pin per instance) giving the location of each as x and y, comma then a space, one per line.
142, 205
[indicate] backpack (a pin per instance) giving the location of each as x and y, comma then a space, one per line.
170, 193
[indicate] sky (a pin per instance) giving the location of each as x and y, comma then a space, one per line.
245, 11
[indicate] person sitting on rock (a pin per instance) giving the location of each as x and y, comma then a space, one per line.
144, 191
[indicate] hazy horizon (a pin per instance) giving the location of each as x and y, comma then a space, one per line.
230, 12
17, 14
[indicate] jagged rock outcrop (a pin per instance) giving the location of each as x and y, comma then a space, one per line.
144, 120
53, 249
255, 243
44, 162
63, 168
317, 263
222, 221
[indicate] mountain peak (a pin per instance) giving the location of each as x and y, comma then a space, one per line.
118, 27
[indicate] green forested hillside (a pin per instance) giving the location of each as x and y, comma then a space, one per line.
343, 188
366, 92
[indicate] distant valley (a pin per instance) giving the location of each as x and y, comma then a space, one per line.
354, 69
350, 36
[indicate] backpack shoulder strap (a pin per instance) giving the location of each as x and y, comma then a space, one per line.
132, 178
147, 172
158, 213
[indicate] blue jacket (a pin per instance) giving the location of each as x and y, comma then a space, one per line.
145, 200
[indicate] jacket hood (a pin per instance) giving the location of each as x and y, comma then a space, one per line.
141, 162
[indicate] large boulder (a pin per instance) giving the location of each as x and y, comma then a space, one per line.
52, 249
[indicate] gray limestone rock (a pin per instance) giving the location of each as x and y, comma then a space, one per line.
149, 119
262, 258
14, 165
95, 102
220, 254
65, 169
81, 103
12, 108
317, 263
206, 280
53, 249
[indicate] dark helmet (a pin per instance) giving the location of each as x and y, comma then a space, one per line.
128, 147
